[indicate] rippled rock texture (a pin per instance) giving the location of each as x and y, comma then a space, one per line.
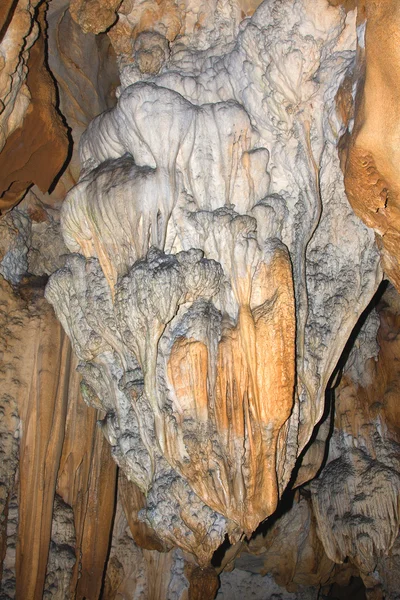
222, 212
33, 137
217, 271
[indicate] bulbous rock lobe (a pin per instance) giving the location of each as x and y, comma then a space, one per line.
209, 299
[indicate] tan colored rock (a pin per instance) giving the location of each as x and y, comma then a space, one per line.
133, 500
151, 52
19, 30
84, 67
347, 4
372, 165
246, 386
62, 555
7, 9
87, 479
217, 269
292, 552
10, 373
37, 146
204, 584
38, 358
361, 405
41, 380
94, 16
81, 488
211, 377
41, 442
100, 509
187, 22
356, 496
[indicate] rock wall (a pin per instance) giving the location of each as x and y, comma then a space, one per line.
212, 401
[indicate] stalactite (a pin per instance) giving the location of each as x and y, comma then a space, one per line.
210, 403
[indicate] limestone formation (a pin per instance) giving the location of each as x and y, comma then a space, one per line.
207, 273
371, 163
33, 138
358, 491
199, 378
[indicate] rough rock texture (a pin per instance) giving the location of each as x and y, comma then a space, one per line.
35, 388
84, 68
33, 137
356, 497
94, 16
146, 31
223, 413
15, 240
16, 38
86, 482
140, 574
9, 425
371, 168
42, 410
61, 558
192, 353
241, 584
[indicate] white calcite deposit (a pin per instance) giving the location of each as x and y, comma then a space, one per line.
217, 269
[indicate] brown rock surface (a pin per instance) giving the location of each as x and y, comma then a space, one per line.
133, 500
171, 20
84, 68
132, 570
292, 552
18, 32
359, 405
37, 357
208, 423
37, 149
372, 165
86, 482
7, 9
359, 488
11, 368
246, 387
41, 382
94, 16
100, 509
203, 584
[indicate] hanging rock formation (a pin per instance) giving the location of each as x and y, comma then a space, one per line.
207, 199
199, 255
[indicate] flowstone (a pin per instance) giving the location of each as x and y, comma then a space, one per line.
217, 269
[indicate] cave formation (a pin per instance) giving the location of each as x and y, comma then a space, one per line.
199, 299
